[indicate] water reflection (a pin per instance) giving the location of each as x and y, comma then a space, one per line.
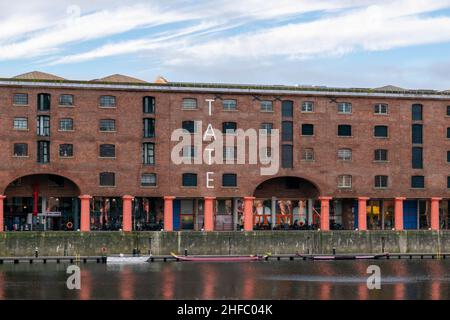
401, 279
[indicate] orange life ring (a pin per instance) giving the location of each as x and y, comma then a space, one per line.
69, 225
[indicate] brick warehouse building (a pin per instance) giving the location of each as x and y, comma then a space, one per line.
96, 155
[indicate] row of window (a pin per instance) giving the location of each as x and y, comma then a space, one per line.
382, 181
345, 154
67, 100
66, 150
108, 179
44, 101
67, 124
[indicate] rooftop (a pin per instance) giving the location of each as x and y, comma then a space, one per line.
123, 82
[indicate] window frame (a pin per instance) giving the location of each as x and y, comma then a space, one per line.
379, 182
382, 126
19, 120
229, 105
70, 148
149, 127
146, 106
104, 175
346, 106
148, 154
225, 131
61, 128
343, 158
341, 126
381, 152
303, 127
190, 175
16, 155
263, 108
22, 95
184, 104
308, 154
61, 103
422, 178
305, 106
229, 175
149, 174
109, 120
105, 98
377, 108
414, 112
107, 147
345, 181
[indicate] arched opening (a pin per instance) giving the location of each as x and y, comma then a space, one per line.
42, 202
286, 203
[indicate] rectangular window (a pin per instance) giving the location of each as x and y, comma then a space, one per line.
20, 150
448, 156
417, 182
345, 154
229, 180
417, 133
417, 158
189, 152
287, 156
20, 123
381, 181
66, 124
266, 128
66, 150
380, 109
448, 133
229, 153
66, 100
307, 129
148, 180
266, 106
43, 151
107, 179
20, 99
416, 111
107, 101
380, 131
43, 101
308, 154
107, 125
307, 106
448, 110
381, 155
344, 107
189, 126
345, 181
189, 180
149, 128
148, 153
448, 182
344, 130
107, 151
229, 104
287, 109
148, 105
229, 127
287, 131
189, 103
43, 126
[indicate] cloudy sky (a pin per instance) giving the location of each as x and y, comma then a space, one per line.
312, 42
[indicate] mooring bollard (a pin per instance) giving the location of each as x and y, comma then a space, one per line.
334, 251
36, 252
185, 252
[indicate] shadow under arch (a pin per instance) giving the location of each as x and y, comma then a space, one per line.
287, 187
48, 184
41, 202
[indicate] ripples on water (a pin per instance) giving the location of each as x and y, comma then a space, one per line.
401, 279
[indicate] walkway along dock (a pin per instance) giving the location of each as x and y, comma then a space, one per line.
169, 258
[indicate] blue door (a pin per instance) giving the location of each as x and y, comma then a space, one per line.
355, 213
410, 214
176, 214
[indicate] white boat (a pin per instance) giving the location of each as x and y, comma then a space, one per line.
122, 259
